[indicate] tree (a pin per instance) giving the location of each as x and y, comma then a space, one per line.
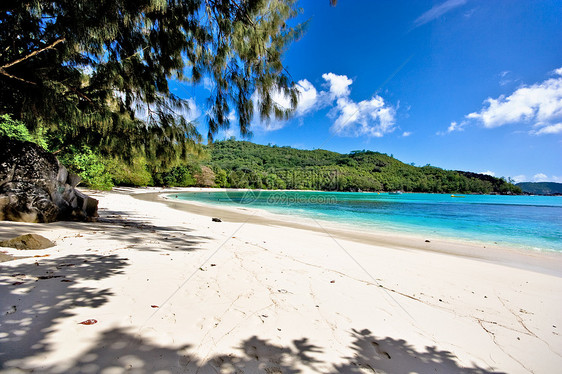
97, 72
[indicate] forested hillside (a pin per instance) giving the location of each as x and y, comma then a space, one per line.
245, 164
541, 188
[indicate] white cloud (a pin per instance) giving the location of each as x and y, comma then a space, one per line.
339, 84
549, 129
469, 13
280, 99
488, 172
437, 11
308, 96
506, 78
228, 133
558, 71
454, 126
146, 112
208, 83
232, 118
270, 124
406, 133
192, 112
232, 130
540, 177
539, 104
267, 125
308, 100
372, 118
520, 178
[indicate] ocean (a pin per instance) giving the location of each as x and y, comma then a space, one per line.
529, 222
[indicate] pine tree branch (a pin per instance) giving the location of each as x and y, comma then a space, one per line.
4, 72
77, 92
50, 46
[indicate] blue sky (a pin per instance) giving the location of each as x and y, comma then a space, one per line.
461, 84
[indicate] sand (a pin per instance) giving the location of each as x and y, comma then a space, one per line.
173, 292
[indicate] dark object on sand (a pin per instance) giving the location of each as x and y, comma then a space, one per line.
427, 241
35, 187
88, 322
28, 241
214, 219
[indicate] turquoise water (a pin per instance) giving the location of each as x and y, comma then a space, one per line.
532, 222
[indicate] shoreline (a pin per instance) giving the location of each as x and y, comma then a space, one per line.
548, 262
363, 227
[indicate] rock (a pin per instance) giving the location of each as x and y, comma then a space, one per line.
5, 257
28, 241
216, 219
35, 187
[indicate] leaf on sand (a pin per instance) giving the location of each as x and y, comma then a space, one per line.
154, 306
88, 322
50, 276
41, 256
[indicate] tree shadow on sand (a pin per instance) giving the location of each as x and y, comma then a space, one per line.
120, 350
126, 227
389, 355
36, 297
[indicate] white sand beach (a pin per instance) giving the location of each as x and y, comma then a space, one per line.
174, 292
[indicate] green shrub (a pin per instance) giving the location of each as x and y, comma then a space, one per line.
129, 174
89, 166
179, 176
14, 129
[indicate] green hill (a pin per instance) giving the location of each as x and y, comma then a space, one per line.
244, 164
541, 188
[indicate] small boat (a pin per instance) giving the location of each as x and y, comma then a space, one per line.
457, 196
395, 193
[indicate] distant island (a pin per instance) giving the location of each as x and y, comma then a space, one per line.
541, 188
243, 164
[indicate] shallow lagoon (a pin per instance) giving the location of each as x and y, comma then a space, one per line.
532, 222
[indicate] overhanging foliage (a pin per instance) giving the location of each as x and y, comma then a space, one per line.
97, 72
